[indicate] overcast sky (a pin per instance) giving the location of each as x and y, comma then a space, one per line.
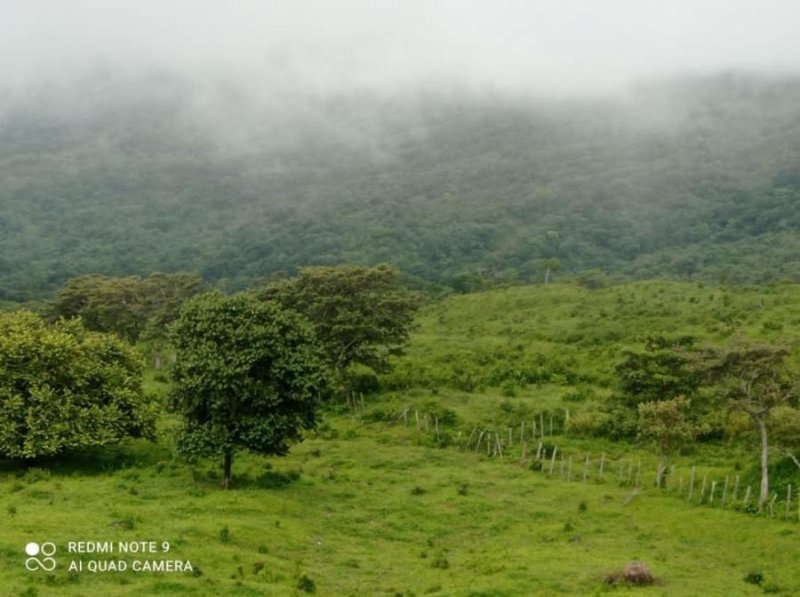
557, 46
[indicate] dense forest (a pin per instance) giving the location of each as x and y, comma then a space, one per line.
692, 178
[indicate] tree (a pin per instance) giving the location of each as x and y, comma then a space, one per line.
754, 380
664, 370
668, 424
550, 266
129, 307
63, 387
249, 375
362, 315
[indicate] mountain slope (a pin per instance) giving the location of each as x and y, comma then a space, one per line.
689, 178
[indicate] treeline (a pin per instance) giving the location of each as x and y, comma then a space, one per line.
249, 370
690, 179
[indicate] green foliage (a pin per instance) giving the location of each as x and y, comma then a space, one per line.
248, 375
63, 388
691, 179
669, 424
591, 423
362, 315
306, 584
662, 371
131, 307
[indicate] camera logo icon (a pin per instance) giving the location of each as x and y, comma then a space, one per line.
46, 562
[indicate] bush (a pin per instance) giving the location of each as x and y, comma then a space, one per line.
306, 584
589, 424
754, 577
579, 394
65, 388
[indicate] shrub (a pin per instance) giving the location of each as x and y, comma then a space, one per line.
306, 584
589, 423
754, 577
86, 385
224, 534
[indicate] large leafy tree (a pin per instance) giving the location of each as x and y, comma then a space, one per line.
362, 315
63, 387
130, 307
249, 375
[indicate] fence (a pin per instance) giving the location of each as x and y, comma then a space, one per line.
500, 442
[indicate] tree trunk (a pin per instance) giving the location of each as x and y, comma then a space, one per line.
764, 495
662, 469
226, 470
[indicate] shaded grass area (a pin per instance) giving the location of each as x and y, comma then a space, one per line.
372, 509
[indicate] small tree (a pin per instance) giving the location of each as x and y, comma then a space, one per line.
667, 424
362, 315
248, 375
754, 380
63, 387
664, 370
550, 267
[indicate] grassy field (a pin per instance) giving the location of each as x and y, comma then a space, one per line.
371, 509
375, 504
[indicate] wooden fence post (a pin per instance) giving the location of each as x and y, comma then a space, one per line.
553, 460
602, 464
585, 468
691, 483
788, 499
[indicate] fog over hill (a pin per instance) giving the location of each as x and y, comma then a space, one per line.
456, 141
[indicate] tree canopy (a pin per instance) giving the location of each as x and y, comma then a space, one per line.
249, 375
754, 379
63, 387
686, 178
362, 315
130, 307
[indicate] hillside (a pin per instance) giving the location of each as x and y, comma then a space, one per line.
691, 178
574, 335
391, 495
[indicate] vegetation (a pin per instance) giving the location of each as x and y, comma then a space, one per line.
134, 308
63, 388
473, 461
756, 382
375, 499
692, 179
361, 315
248, 375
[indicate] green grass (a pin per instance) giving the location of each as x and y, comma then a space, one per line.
370, 505
372, 509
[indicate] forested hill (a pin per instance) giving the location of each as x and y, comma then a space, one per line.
687, 178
